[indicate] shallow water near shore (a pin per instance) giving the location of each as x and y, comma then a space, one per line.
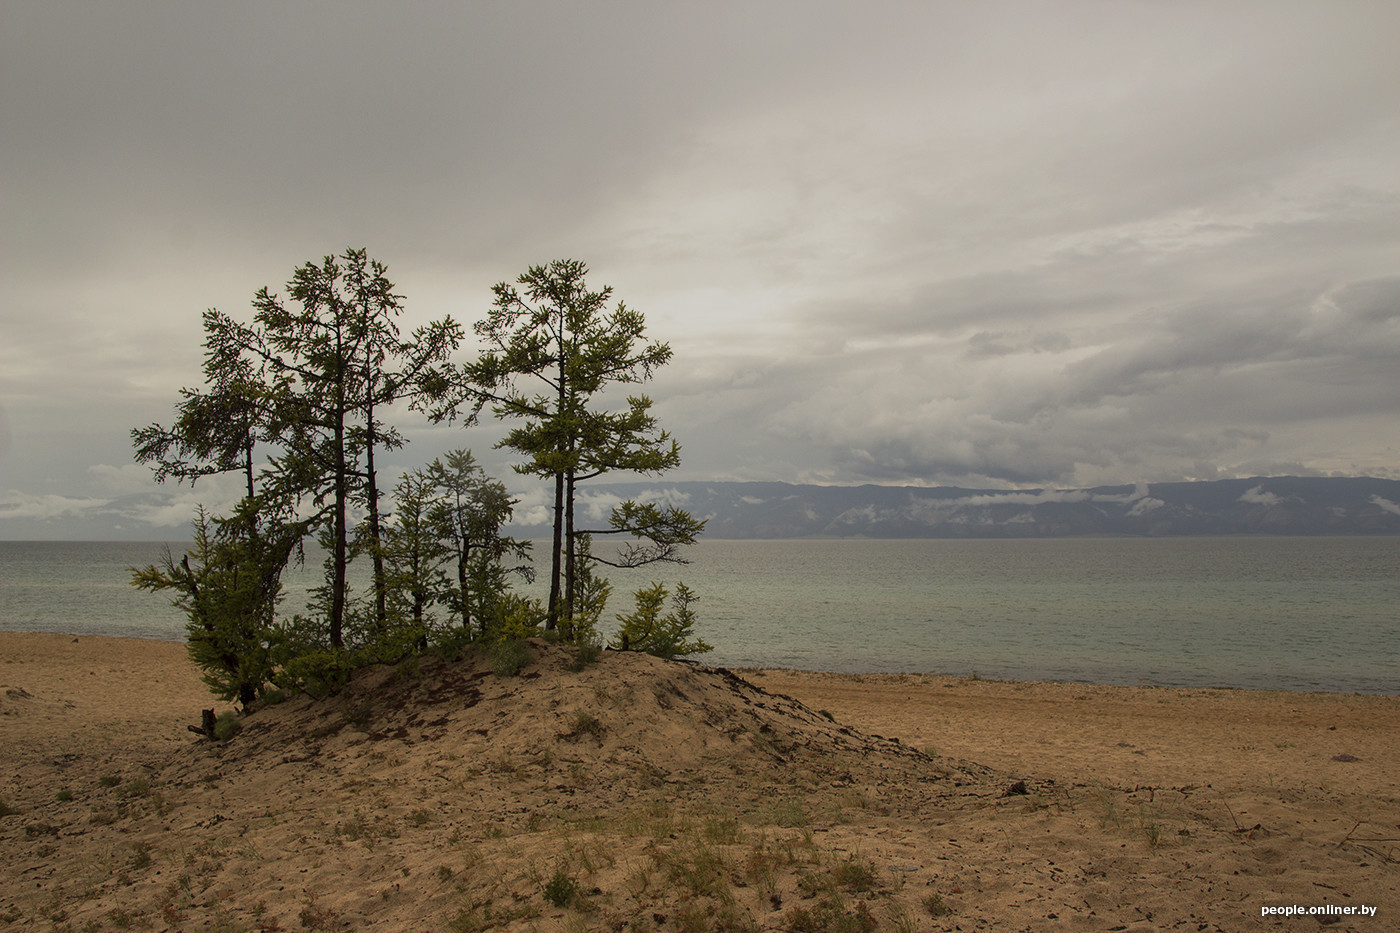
1270, 613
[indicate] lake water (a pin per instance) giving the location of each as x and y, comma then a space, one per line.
1276, 613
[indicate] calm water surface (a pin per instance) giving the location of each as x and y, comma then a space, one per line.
1280, 613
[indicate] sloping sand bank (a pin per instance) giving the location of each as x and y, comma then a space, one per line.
637, 794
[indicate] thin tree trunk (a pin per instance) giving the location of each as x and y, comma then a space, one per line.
463, 553
552, 622
376, 552
554, 566
570, 559
338, 555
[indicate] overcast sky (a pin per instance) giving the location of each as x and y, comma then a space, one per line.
986, 244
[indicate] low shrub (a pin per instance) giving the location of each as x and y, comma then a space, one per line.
561, 890
510, 657
855, 874
936, 906
226, 726
585, 653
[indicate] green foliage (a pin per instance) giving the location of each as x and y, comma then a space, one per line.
318, 673
227, 726
466, 513
855, 874
510, 656
295, 401
584, 655
304, 664
513, 618
666, 636
414, 554
228, 586
585, 723
561, 890
558, 337
831, 915
658, 533
936, 906
591, 593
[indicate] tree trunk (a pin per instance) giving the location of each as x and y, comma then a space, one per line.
381, 587
554, 566
463, 555
339, 558
570, 560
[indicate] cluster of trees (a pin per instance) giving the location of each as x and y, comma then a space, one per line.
296, 402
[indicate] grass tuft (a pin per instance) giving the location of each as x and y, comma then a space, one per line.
561, 890
510, 657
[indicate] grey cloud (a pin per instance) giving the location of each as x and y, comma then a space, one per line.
1006, 243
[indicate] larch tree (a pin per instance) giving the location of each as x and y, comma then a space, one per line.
468, 511
553, 350
336, 361
231, 590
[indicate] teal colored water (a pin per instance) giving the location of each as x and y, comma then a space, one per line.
1276, 613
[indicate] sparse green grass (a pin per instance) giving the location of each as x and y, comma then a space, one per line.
831, 914
855, 874
1150, 826
561, 890
137, 787
510, 657
789, 814
699, 869
1107, 807
585, 723
120, 919
315, 917
585, 655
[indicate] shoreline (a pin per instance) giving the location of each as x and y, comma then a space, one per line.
973, 677
1132, 734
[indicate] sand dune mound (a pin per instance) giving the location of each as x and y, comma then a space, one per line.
643, 795
669, 777
628, 724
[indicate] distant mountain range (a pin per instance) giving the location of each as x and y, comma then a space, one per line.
1281, 505
1276, 505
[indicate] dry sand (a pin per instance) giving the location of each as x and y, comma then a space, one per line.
646, 795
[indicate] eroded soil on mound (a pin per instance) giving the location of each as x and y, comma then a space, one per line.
634, 794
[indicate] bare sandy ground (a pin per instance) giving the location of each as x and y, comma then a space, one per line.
637, 794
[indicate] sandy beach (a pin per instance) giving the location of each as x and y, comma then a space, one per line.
637, 794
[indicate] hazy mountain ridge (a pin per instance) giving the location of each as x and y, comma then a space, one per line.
1281, 505
1284, 505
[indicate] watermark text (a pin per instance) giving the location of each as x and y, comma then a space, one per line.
1325, 910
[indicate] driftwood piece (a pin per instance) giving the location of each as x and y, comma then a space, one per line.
206, 728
